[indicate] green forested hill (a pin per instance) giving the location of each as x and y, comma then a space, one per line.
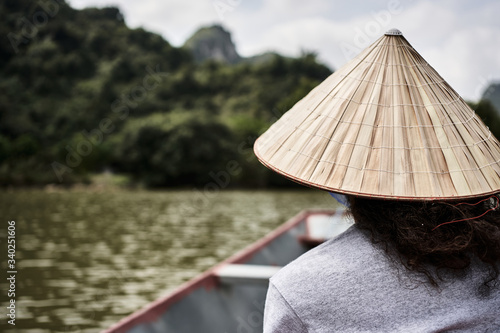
82, 93
492, 94
488, 108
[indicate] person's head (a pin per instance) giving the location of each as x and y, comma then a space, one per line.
387, 126
428, 236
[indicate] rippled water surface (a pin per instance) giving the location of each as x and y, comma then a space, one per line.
87, 259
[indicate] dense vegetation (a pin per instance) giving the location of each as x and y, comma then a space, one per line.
82, 93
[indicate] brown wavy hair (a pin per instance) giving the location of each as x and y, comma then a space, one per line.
409, 227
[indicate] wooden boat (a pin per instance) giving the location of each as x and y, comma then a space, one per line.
230, 296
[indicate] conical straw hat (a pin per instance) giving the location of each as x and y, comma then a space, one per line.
385, 125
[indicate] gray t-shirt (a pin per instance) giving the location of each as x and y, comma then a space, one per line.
348, 284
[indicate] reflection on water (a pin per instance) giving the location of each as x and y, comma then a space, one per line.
87, 259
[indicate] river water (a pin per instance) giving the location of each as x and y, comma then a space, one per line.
85, 259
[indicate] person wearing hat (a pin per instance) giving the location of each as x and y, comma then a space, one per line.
420, 172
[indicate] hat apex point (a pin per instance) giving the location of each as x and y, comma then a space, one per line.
394, 32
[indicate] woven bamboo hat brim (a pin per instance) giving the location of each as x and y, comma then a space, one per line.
385, 125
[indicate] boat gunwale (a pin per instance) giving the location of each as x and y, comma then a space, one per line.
208, 279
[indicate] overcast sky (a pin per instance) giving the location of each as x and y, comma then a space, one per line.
459, 38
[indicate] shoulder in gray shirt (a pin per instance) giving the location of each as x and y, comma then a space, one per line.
349, 285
